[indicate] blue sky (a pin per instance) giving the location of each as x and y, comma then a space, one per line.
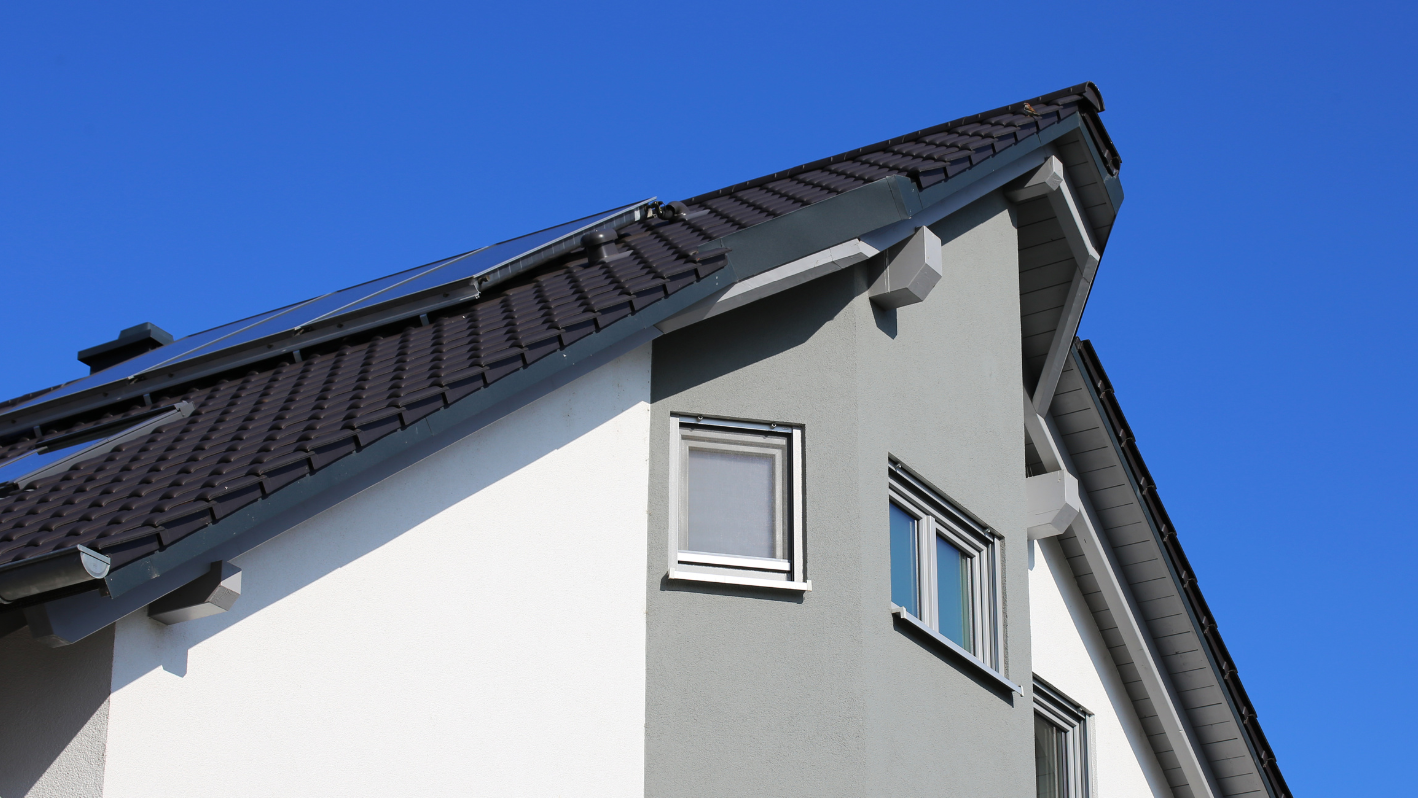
189, 164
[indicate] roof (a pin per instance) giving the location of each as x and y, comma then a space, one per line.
1168, 600
266, 425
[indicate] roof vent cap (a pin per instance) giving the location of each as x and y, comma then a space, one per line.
600, 245
129, 344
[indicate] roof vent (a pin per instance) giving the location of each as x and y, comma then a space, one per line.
130, 343
600, 245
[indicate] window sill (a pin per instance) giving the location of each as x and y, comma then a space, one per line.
723, 579
954, 648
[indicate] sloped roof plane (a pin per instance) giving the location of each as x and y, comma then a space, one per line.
266, 431
266, 425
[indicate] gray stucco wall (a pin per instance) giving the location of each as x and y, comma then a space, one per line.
759, 692
54, 716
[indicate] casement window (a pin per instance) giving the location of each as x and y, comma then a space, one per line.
945, 569
1062, 767
736, 506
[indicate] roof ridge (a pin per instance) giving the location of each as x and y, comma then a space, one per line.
1087, 91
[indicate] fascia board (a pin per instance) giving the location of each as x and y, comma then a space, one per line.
773, 281
1051, 180
1192, 619
819, 226
853, 250
1102, 562
871, 208
69, 619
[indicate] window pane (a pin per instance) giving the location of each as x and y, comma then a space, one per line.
903, 560
1049, 774
731, 503
953, 592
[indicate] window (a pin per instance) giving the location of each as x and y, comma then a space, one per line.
944, 569
736, 510
1061, 748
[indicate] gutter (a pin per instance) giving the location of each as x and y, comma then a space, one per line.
871, 218
67, 619
54, 571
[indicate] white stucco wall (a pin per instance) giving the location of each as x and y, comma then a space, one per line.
474, 625
1069, 653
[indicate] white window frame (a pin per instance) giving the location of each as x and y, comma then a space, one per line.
784, 442
935, 516
1071, 718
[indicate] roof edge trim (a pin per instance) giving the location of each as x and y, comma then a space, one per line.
1220, 658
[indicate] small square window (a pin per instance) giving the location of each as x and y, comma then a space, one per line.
944, 568
1061, 746
736, 503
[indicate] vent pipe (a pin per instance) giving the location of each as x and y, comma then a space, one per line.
129, 344
600, 245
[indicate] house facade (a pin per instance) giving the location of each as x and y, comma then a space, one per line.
805, 485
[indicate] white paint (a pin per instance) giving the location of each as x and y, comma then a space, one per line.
1053, 503
1069, 653
473, 625
773, 281
1051, 180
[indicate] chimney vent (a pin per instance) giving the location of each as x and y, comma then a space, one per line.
129, 344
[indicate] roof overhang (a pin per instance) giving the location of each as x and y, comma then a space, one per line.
1147, 604
761, 260
847, 229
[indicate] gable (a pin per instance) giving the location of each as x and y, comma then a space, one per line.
1182, 680
274, 430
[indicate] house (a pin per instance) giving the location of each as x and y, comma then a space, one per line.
804, 486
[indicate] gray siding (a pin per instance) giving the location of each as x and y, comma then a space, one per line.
1157, 602
752, 692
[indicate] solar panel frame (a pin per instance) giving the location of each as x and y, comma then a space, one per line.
122, 381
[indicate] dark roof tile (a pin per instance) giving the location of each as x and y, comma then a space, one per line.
260, 428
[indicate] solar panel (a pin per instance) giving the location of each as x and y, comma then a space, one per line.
287, 318
365, 298
60, 454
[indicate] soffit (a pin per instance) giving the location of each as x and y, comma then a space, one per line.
1165, 595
